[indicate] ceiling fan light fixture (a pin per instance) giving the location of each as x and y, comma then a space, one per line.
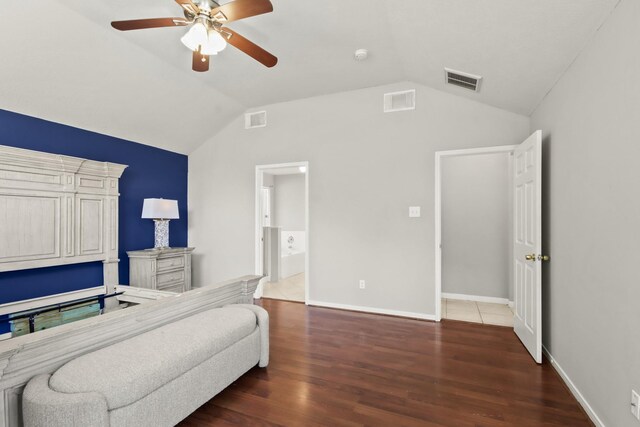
206, 33
215, 43
196, 36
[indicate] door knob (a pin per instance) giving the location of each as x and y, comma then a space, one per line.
531, 257
543, 258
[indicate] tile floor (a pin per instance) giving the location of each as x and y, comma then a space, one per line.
292, 289
289, 289
477, 312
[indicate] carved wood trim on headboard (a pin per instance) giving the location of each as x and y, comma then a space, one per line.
56, 210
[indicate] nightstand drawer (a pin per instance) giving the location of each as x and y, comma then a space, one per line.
165, 264
173, 287
165, 279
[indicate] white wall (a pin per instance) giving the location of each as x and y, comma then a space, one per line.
268, 180
475, 225
591, 219
359, 225
289, 202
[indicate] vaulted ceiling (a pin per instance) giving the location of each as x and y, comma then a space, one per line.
63, 62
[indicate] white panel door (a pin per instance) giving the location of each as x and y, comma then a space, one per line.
528, 244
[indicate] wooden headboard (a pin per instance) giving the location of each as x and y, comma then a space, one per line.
57, 210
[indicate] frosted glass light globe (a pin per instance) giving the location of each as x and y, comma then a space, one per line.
196, 36
215, 43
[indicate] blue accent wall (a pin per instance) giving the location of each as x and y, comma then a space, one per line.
152, 172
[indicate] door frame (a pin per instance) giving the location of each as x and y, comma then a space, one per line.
438, 209
260, 170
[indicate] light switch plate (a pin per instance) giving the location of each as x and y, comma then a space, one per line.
414, 212
635, 404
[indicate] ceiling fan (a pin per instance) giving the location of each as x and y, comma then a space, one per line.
208, 35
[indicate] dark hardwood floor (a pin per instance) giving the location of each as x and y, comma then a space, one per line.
340, 368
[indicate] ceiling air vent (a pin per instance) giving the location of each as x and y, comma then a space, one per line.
465, 80
400, 101
255, 120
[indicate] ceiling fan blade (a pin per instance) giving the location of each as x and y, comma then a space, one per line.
239, 9
189, 6
141, 24
248, 47
200, 62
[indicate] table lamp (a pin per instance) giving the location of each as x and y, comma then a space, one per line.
161, 211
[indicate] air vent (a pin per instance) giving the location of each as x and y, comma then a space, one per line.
255, 120
400, 101
465, 80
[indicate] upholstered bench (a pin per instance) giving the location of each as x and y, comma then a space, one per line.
153, 379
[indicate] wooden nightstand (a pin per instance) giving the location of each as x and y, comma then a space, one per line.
161, 269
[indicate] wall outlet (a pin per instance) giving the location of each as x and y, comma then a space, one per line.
635, 404
362, 284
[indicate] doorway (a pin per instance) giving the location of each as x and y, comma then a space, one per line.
282, 231
476, 242
525, 237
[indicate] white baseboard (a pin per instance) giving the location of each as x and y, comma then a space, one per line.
477, 298
30, 304
574, 390
373, 310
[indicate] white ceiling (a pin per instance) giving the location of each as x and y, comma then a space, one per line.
63, 62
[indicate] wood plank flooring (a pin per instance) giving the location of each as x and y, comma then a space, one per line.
339, 368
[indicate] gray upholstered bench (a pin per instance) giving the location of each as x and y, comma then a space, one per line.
153, 379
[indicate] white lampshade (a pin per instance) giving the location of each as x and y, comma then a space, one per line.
160, 209
215, 43
210, 41
196, 36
